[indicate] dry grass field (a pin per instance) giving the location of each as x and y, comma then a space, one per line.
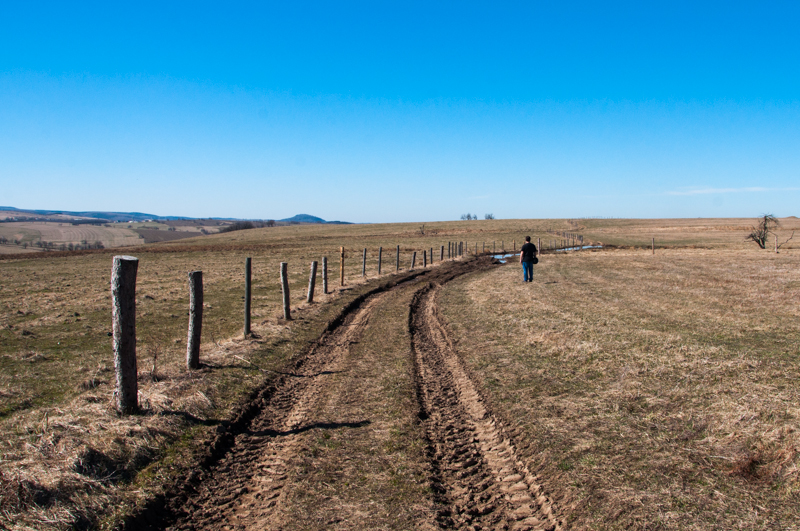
32, 231
705, 332
656, 392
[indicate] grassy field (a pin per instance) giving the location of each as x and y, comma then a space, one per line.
605, 319
657, 392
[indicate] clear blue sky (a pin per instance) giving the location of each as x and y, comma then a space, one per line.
401, 111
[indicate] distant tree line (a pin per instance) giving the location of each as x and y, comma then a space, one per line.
469, 217
52, 246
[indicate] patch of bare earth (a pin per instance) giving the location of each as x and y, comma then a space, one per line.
478, 474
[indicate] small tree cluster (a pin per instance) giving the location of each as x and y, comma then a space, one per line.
488, 216
469, 217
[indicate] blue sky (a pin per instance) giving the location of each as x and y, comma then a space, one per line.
402, 111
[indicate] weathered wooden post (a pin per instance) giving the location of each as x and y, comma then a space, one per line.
460, 248
287, 310
380, 259
514, 243
247, 274
123, 317
424, 258
325, 275
494, 248
483, 249
502, 247
431, 255
539, 247
397, 260
449, 254
654, 246
441, 253
341, 266
364, 263
413, 259
312, 281
195, 319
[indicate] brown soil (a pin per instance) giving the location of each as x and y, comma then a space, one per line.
478, 475
467, 470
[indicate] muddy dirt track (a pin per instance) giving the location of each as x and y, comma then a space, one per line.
475, 478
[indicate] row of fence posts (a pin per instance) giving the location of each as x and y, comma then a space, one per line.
123, 294
565, 240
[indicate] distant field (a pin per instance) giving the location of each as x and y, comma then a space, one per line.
589, 334
58, 233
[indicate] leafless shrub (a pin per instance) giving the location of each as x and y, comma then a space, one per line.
759, 233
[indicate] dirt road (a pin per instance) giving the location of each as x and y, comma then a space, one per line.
378, 426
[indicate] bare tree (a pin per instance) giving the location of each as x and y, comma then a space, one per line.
488, 216
766, 226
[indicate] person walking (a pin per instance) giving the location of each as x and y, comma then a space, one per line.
527, 257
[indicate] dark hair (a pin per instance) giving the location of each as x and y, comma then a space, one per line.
527, 238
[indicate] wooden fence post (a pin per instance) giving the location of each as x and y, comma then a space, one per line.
539, 247
431, 255
123, 316
441, 253
476, 248
287, 310
502, 247
380, 259
195, 319
325, 275
413, 259
424, 258
341, 266
514, 243
364, 263
448, 251
312, 281
247, 276
397, 260
654, 245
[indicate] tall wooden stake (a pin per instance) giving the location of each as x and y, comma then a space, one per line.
247, 274
341, 266
123, 316
195, 319
325, 275
413, 260
364, 263
441, 253
397, 260
312, 281
287, 310
380, 259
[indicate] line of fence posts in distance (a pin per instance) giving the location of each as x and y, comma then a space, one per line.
195, 320
123, 317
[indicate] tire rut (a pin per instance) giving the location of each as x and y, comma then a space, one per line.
244, 490
477, 478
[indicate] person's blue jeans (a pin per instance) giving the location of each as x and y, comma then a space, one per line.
527, 271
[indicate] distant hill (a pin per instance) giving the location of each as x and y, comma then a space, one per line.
103, 216
307, 218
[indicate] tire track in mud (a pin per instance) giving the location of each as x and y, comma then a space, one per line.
476, 474
246, 488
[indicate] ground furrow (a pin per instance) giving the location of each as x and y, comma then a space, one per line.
245, 490
478, 478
